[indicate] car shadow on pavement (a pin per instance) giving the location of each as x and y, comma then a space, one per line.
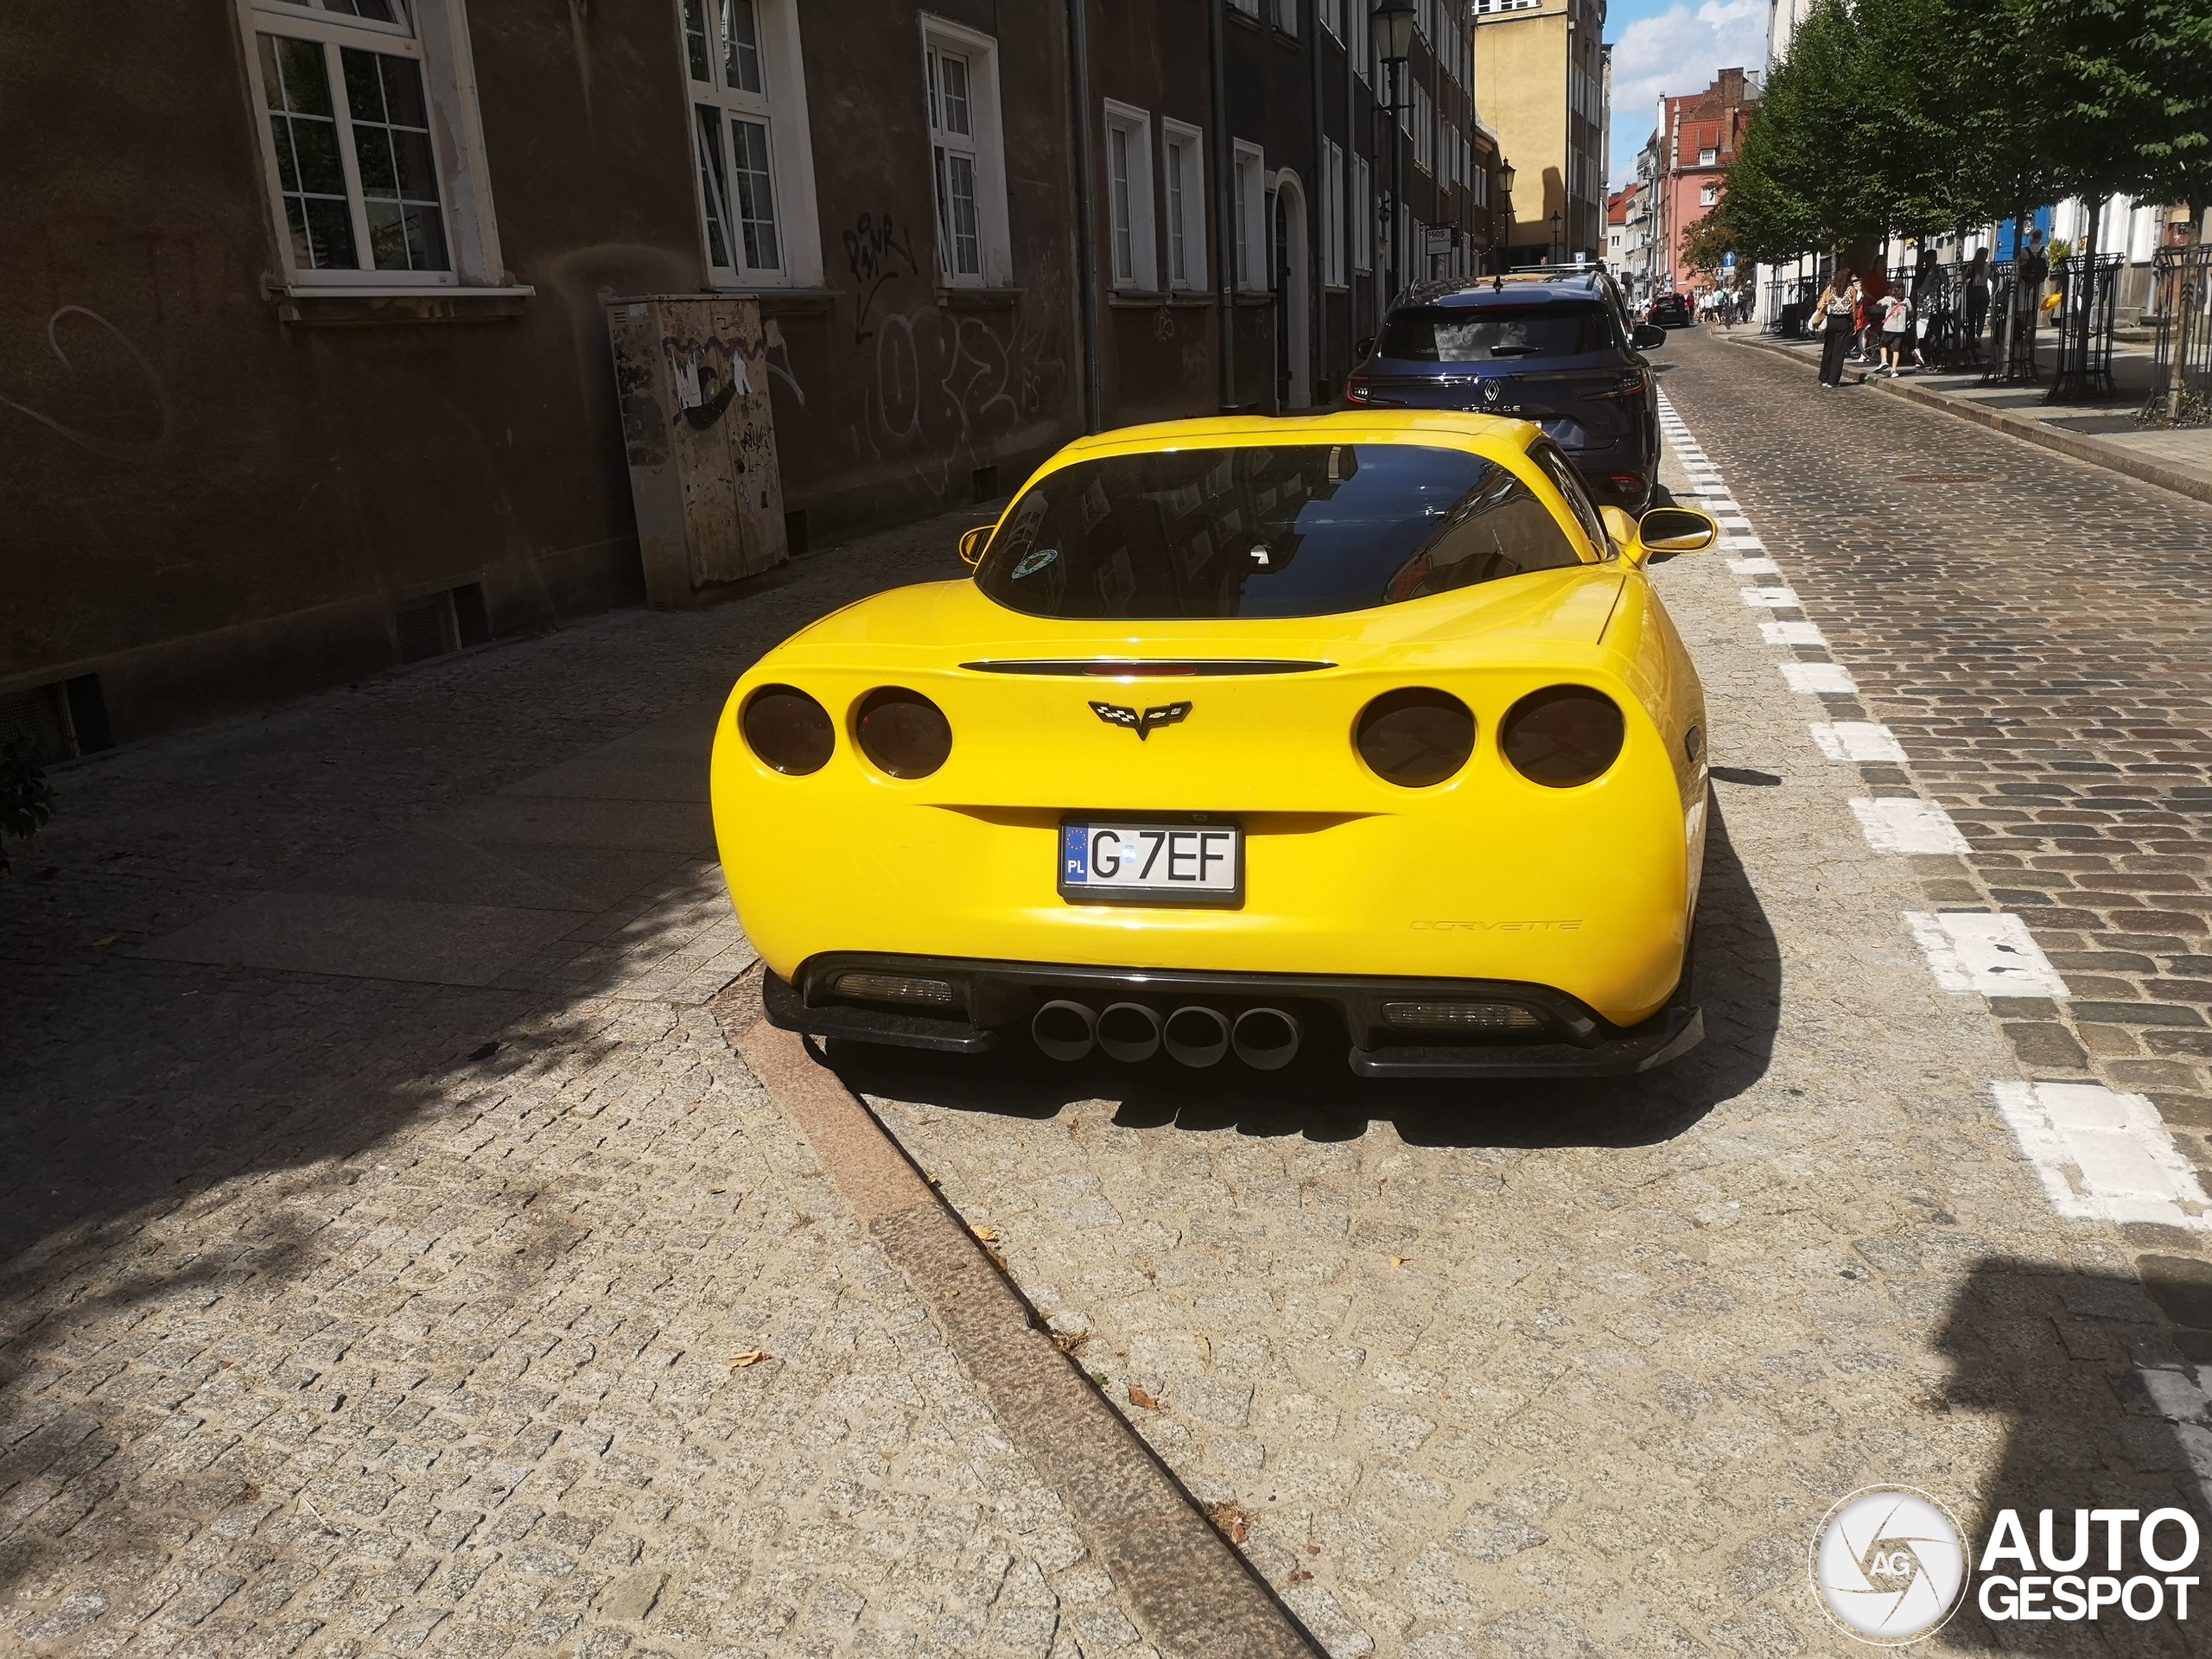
2080, 1374
1738, 983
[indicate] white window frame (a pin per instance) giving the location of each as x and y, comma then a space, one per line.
1708, 195
1249, 199
1424, 131
1363, 228
1132, 237
1708, 158
986, 144
1195, 195
437, 39
780, 107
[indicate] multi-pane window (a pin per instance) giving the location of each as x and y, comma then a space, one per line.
1248, 178
1285, 13
1332, 13
355, 166
968, 174
952, 137
1424, 130
1129, 197
1363, 215
1332, 215
726, 64
1183, 152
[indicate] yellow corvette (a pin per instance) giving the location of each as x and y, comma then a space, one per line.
1364, 731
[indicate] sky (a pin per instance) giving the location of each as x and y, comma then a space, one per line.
1663, 47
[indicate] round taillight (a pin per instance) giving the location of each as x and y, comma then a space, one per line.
1562, 736
789, 730
904, 731
1415, 737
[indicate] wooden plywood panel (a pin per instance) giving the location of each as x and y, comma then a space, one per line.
701, 442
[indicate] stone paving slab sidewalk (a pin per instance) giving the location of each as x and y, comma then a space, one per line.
367, 1293
2104, 434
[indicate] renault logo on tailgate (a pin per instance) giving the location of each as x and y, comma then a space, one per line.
1167, 713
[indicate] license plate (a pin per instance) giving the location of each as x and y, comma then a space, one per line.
1105, 860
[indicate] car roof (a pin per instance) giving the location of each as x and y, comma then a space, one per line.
1539, 288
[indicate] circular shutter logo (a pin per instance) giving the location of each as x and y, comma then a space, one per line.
1889, 1565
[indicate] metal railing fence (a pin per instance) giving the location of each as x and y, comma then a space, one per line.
2181, 376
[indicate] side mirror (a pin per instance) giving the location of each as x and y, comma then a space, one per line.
1664, 532
1648, 335
972, 543
1360, 348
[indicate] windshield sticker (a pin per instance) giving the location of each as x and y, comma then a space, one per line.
1035, 561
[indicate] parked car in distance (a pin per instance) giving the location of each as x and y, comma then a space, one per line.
1670, 311
1554, 348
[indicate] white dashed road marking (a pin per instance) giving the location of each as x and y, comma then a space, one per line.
1820, 679
1753, 568
1769, 598
1849, 741
2102, 1155
1792, 633
1908, 824
1986, 951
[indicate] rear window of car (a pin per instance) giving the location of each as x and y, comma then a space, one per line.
1300, 530
1498, 332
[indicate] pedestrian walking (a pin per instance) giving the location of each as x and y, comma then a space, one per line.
1837, 309
1977, 298
1896, 332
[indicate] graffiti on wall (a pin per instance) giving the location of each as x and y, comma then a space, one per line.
945, 388
876, 247
148, 383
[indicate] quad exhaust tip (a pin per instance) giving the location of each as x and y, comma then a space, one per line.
1064, 1031
1128, 1032
1196, 1037
1266, 1039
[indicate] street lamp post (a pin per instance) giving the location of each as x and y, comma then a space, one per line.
1392, 22
1505, 188
1558, 250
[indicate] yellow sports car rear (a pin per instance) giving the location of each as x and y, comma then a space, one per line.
1364, 731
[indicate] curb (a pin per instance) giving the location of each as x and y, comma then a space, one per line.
2072, 444
1197, 1597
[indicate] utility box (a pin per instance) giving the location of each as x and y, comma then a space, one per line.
693, 389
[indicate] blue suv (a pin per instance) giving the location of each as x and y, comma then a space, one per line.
1556, 347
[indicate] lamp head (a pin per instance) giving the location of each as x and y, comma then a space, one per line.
1393, 23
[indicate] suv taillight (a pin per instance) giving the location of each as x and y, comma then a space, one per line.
1355, 389
1632, 385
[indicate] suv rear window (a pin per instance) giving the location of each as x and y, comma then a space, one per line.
1305, 529
1498, 332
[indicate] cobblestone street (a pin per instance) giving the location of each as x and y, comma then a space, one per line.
400, 1259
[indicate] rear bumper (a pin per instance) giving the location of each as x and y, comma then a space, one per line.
997, 999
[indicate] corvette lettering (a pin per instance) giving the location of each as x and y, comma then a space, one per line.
1144, 724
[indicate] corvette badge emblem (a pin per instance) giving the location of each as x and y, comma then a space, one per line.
1167, 713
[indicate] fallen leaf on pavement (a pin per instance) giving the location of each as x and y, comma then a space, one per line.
988, 1235
1143, 1400
750, 1356
1400, 1261
1233, 1519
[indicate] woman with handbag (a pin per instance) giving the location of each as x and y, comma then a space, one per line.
1838, 303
